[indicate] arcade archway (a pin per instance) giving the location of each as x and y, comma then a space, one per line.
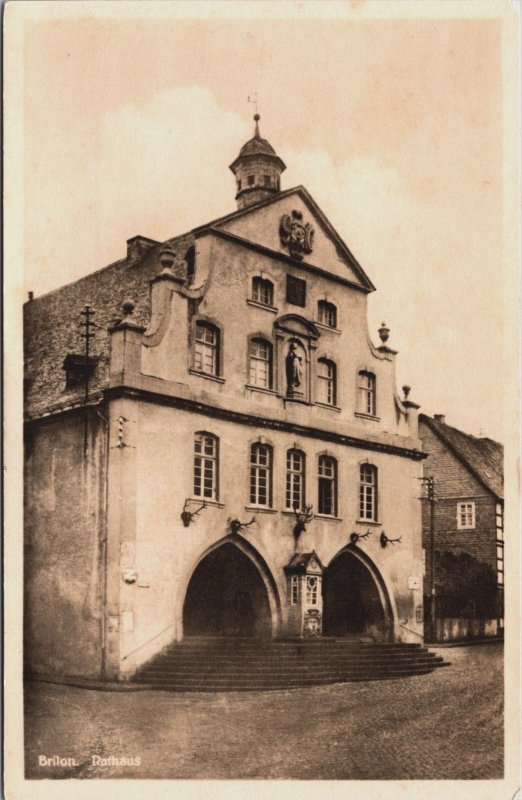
227, 596
354, 604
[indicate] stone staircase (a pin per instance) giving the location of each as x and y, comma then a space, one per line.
217, 665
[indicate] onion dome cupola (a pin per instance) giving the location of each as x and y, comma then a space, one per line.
257, 169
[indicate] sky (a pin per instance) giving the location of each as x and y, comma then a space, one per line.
393, 125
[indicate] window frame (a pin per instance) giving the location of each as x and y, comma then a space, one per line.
328, 381
206, 459
368, 492
259, 338
325, 307
367, 394
215, 347
332, 482
290, 484
462, 515
263, 284
255, 468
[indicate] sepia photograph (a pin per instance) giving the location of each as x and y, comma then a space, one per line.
262, 347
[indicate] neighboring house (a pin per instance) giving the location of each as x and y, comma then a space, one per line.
237, 413
468, 530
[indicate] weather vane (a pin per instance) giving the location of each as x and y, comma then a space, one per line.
253, 100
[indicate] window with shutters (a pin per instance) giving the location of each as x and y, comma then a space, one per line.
295, 291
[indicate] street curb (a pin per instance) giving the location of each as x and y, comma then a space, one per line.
85, 683
465, 643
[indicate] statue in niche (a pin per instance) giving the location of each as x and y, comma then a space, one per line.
294, 368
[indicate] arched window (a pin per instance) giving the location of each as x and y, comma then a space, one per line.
260, 363
368, 493
206, 348
367, 404
327, 313
206, 466
295, 480
263, 291
261, 475
326, 382
327, 488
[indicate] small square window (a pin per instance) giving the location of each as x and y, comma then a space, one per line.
295, 291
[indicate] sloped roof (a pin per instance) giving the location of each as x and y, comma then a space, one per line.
483, 457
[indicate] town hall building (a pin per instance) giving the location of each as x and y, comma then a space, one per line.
215, 445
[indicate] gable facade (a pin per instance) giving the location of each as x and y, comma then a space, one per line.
238, 414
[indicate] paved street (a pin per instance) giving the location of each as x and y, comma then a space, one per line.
444, 725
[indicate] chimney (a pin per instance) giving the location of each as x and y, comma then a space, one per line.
31, 295
440, 418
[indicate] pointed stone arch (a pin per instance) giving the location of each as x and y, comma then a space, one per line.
356, 600
245, 593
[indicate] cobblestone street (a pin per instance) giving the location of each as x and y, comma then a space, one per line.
446, 725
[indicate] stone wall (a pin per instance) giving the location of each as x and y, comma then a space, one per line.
63, 547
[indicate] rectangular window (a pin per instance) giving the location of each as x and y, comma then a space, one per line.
260, 475
250, 180
295, 291
294, 590
326, 382
311, 590
367, 404
263, 291
295, 494
327, 313
327, 474
266, 180
205, 466
205, 349
465, 516
368, 493
260, 364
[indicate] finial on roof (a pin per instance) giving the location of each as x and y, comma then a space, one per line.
256, 120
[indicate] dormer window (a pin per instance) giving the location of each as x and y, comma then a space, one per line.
327, 313
263, 291
78, 368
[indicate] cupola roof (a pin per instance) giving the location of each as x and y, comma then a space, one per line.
257, 146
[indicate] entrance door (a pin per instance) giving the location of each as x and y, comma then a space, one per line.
351, 602
226, 596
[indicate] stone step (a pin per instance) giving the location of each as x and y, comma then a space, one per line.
182, 664
228, 665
